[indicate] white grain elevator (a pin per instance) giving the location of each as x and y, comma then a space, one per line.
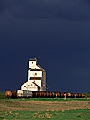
36, 77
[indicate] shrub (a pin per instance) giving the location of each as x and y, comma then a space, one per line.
2, 95
87, 94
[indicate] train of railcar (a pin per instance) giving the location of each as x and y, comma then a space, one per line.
42, 94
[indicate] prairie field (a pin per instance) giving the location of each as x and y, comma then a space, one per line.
40, 108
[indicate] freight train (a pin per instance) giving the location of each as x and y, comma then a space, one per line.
42, 94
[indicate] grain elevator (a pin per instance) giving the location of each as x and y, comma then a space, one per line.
36, 77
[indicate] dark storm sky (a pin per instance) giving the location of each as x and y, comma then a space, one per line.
56, 32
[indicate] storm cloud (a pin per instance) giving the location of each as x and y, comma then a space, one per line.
56, 32
40, 9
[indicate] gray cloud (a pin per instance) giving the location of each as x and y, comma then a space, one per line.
20, 21
37, 9
55, 30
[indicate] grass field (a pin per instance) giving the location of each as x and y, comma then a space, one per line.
47, 99
40, 108
53, 115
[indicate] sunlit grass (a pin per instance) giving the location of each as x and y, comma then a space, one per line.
48, 99
52, 115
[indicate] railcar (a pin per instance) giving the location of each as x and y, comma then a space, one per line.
42, 94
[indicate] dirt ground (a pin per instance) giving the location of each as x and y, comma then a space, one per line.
42, 105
